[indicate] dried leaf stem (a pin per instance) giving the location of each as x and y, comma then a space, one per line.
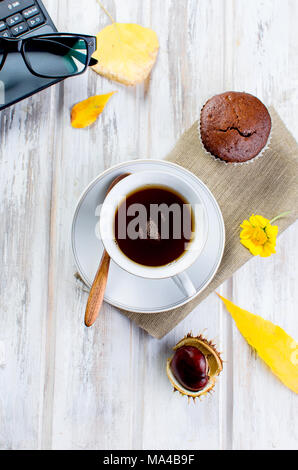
106, 11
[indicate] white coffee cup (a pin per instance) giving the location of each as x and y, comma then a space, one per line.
175, 269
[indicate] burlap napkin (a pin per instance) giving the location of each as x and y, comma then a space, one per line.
268, 186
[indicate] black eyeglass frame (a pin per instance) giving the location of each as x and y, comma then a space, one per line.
18, 45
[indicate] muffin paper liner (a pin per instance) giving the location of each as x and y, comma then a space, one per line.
234, 163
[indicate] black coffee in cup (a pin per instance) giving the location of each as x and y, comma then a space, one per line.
154, 226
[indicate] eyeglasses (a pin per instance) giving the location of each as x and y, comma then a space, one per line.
52, 55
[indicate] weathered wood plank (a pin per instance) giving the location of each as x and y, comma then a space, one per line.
262, 62
25, 185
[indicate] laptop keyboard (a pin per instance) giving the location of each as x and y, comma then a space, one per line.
19, 16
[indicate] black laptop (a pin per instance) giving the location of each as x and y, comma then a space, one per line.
21, 19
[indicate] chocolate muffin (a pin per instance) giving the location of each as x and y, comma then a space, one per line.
235, 127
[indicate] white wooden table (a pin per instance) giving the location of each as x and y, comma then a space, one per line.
65, 387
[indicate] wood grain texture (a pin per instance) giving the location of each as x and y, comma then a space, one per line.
63, 386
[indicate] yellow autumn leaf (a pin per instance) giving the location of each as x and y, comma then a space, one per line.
272, 343
126, 52
86, 112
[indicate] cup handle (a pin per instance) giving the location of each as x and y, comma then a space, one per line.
185, 284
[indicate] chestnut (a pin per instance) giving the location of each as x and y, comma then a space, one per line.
190, 368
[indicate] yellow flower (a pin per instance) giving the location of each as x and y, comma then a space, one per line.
259, 235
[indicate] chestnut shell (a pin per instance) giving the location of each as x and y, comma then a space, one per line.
214, 363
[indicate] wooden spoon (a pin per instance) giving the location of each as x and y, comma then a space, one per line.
100, 281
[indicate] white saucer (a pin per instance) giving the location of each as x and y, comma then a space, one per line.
124, 290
